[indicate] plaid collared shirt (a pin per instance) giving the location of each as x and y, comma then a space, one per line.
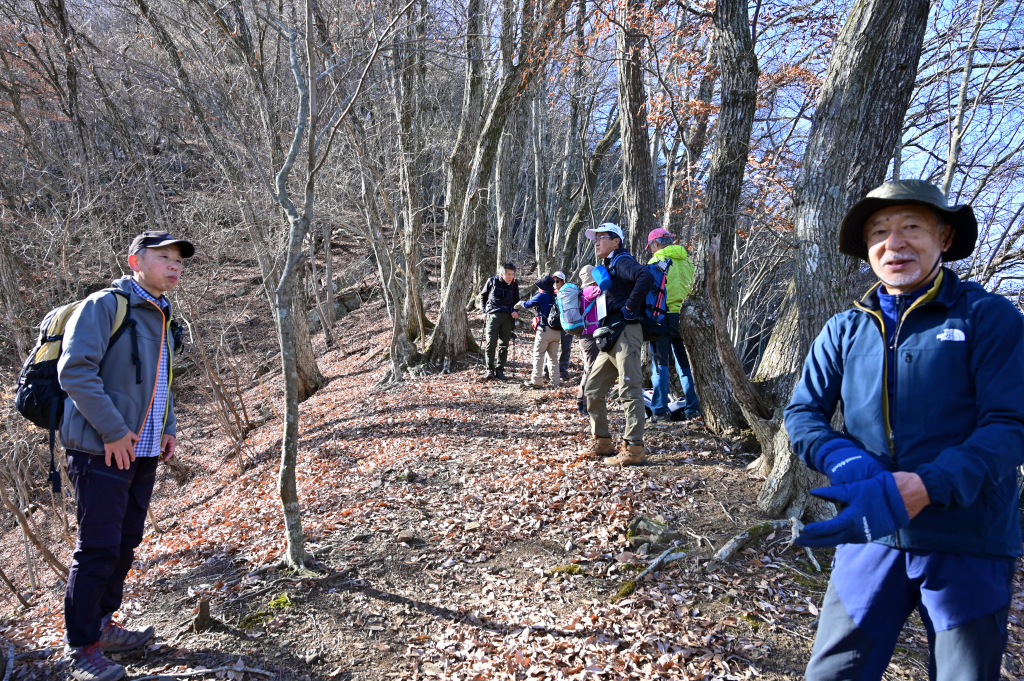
149, 438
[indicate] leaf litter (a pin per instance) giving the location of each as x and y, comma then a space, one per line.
459, 535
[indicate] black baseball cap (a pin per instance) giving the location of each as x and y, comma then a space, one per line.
156, 239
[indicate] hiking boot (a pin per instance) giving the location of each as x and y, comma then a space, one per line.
88, 663
601, 446
530, 385
115, 638
629, 455
487, 375
500, 374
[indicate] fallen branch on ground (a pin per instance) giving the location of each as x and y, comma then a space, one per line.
699, 537
734, 545
737, 543
185, 675
628, 587
14, 589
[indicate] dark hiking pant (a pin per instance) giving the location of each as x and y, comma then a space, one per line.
111, 514
963, 601
565, 354
499, 333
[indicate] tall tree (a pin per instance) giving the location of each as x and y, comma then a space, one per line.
859, 116
639, 202
734, 46
538, 22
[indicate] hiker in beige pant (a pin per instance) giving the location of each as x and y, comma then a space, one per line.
625, 283
608, 367
547, 340
546, 344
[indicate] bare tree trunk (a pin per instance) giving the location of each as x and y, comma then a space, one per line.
329, 274
859, 117
461, 159
639, 212
585, 211
735, 47
410, 143
451, 334
538, 145
510, 165
14, 305
956, 134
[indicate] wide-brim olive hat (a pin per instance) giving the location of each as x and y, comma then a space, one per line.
902, 192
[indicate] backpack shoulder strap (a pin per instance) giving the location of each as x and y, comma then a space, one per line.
122, 315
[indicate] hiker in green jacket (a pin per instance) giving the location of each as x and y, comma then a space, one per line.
679, 282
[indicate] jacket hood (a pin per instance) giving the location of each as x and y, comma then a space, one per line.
675, 251
547, 284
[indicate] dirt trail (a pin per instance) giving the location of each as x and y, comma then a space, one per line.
438, 510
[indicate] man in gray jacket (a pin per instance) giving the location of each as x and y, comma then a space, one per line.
118, 423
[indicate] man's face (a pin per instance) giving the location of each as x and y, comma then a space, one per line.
508, 275
904, 243
559, 284
605, 243
158, 270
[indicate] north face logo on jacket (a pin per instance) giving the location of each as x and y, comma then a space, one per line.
952, 335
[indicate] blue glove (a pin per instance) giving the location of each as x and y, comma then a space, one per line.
875, 509
843, 462
628, 314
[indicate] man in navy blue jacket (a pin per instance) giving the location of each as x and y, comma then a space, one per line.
619, 359
930, 373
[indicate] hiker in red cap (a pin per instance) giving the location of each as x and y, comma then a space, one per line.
668, 351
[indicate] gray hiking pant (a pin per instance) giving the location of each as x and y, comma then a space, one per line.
499, 333
588, 346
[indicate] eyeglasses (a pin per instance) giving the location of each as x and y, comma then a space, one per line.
605, 236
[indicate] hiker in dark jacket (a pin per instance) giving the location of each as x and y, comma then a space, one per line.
619, 360
117, 425
546, 339
930, 374
498, 300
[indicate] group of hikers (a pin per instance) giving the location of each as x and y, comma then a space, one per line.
615, 305
928, 370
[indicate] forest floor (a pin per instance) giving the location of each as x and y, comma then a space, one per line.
459, 535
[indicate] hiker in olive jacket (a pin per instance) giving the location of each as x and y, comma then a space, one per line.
118, 423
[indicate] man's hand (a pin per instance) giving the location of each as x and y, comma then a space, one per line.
515, 315
123, 450
873, 510
167, 446
915, 496
628, 314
